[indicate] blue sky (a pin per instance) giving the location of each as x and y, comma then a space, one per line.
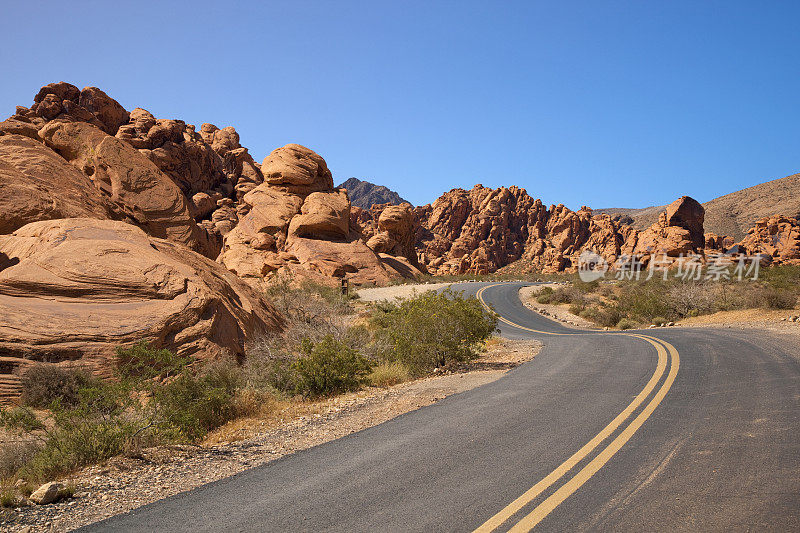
624, 104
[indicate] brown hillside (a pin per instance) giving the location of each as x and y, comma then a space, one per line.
734, 213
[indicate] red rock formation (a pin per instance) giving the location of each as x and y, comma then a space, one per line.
38, 184
678, 231
482, 230
390, 230
73, 290
777, 236
718, 242
297, 222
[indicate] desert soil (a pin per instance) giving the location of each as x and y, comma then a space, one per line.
125, 483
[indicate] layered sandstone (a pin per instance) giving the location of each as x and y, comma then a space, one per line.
73, 290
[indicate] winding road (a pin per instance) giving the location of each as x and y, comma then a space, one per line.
654, 430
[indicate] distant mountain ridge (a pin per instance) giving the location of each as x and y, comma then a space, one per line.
364, 194
732, 214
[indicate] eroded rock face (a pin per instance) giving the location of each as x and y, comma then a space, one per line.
73, 290
678, 231
63, 101
176, 149
296, 222
129, 180
777, 236
38, 184
482, 230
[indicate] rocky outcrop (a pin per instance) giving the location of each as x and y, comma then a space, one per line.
64, 102
777, 236
483, 230
177, 150
296, 222
390, 230
364, 194
38, 184
297, 170
678, 231
73, 290
129, 180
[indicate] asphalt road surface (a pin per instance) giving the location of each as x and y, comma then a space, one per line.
653, 430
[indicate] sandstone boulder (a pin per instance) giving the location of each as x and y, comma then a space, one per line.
324, 215
73, 290
47, 493
678, 231
297, 169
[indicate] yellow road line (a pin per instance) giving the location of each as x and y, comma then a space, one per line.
549, 504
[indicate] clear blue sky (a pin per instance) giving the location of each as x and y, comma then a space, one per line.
623, 104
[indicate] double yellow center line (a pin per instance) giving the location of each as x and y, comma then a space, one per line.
529, 521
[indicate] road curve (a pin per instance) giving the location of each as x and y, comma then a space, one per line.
669, 429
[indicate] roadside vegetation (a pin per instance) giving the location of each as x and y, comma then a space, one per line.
68, 418
626, 304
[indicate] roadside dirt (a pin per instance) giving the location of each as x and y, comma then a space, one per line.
125, 483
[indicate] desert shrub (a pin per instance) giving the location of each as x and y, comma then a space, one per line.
20, 419
388, 373
643, 301
606, 316
311, 311
432, 329
102, 424
191, 405
545, 295
781, 276
576, 308
659, 321
141, 362
44, 383
16, 454
587, 287
329, 367
626, 323
8, 498
776, 298
568, 295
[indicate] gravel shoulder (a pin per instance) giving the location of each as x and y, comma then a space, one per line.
125, 483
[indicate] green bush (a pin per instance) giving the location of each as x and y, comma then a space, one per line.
626, 323
101, 425
329, 367
659, 321
432, 329
141, 362
781, 276
545, 295
606, 316
190, 406
45, 383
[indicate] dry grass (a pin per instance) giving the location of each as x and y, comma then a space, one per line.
387, 374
